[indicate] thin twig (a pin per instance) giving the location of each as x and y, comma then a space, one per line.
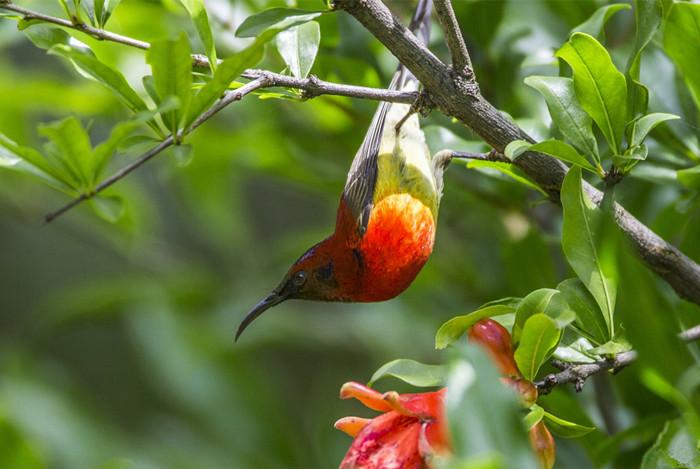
311, 86
228, 98
455, 40
577, 373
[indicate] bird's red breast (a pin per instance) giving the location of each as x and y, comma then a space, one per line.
397, 243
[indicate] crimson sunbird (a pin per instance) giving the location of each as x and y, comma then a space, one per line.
386, 220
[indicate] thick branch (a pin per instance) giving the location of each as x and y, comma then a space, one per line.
577, 373
453, 35
454, 96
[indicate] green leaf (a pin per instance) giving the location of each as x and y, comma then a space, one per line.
453, 329
412, 372
85, 61
109, 208
171, 65
484, 417
277, 18
595, 25
30, 161
544, 300
600, 87
45, 36
99, 11
589, 318
580, 242
199, 16
225, 73
564, 428
533, 417
564, 152
298, 47
539, 339
104, 151
675, 447
567, 114
508, 169
682, 43
516, 148
74, 148
641, 127
647, 18
689, 177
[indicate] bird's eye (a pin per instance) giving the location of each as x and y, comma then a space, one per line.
299, 278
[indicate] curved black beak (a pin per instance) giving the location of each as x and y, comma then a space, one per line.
266, 303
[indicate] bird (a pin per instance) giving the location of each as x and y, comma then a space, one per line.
387, 215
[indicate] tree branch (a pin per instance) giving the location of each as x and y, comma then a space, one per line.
455, 40
577, 373
229, 98
312, 86
454, 96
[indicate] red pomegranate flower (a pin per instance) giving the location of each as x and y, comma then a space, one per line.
407, 435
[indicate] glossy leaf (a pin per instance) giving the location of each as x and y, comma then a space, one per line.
99, 11
641, 127
647, 18
565, 152
199, 16
682, 43
567, 114
275, 17
600, 87
298, 47
564, 428
171, 65
538, 340
412, 372
507, 169
74, 148
595, 25
455, 328
86, 61
589, 317
533, 417
580, 242
539, 301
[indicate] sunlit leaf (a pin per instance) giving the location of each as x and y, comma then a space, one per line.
533, 417
456, 327
298, 47
74, 148
171, 65
600, 87
595, 25
564, 428
566, 112
278, 18
412, 372
198, 12
538, 340
507, 169
642, 126
544, 300
580, 241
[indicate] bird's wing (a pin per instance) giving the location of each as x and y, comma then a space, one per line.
359, 187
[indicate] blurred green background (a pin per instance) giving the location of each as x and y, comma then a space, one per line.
116, 344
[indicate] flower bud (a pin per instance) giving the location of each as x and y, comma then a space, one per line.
543, 445
496, 340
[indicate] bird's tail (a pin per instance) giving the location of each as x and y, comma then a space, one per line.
420, 26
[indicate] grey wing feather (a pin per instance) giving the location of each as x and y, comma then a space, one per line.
359, 187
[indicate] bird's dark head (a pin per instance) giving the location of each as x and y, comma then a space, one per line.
321, 274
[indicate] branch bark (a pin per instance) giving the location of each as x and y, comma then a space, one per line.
461, 61
454, 96
577, 373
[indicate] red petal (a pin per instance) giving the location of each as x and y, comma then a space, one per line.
389, 441
496, 340
543, 445
351, 425
426, 404
369, 397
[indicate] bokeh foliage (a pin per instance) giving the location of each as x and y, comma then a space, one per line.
117, 337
